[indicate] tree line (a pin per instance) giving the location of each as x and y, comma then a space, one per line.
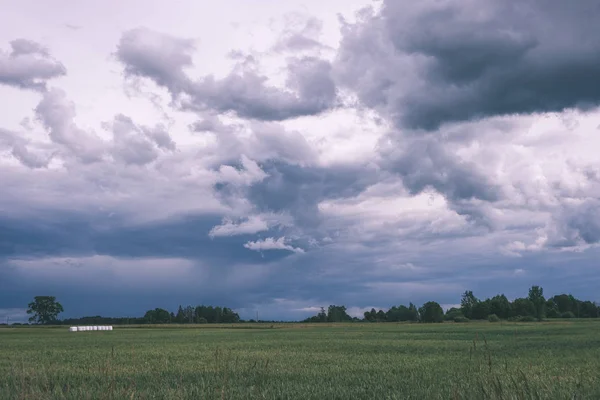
533, 307
185, 315
192, 315
45, 310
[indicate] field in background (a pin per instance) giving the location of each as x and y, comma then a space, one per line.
556, 360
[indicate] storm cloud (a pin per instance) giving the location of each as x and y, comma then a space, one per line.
437, 62
309, 89
283, 162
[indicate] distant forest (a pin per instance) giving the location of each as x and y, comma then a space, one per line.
531, 308
534, 307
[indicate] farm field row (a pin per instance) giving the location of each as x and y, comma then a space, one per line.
557, 360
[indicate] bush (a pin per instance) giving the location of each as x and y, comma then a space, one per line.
461, 319
568, 314
453, 313
202, 320
493, 318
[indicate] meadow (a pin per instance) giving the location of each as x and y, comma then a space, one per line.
549, 360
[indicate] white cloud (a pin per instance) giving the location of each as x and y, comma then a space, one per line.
253, 224
251, 173
57, 115
28, 65
272, 244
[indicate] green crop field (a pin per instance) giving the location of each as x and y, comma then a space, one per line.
551, 360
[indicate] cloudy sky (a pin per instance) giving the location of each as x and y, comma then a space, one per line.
282, 156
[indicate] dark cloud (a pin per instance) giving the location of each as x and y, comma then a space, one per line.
59, 253
380, 277
158, 56
68, 234
24, 46
162, 58
28, 66
586, 223
426, 163
310, 91
576, 225
267, 141
299, 190
41, 237
434, 62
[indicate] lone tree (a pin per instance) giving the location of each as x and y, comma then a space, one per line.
45, 309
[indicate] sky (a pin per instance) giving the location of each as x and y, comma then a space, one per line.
276, 157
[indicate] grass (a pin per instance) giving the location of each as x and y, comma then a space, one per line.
554, 360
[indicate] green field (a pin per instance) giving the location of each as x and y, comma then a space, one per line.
552, 360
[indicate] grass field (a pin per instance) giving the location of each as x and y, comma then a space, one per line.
554, 360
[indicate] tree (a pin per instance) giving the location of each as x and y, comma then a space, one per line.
563, 303
431, 312
188, 313
180, 317
481, 309
500, 306
371, 316
337, 314
587, 309
467, 303
523, 308
45, 309
397, 314
413, 313
322, 316
393, 314
536, 296
157, 316
230, 316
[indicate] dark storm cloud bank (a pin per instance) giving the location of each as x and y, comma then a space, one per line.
72, 235
310, 89
59, 256
309, 280
433, 62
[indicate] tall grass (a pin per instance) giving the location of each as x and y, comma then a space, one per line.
357, 361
